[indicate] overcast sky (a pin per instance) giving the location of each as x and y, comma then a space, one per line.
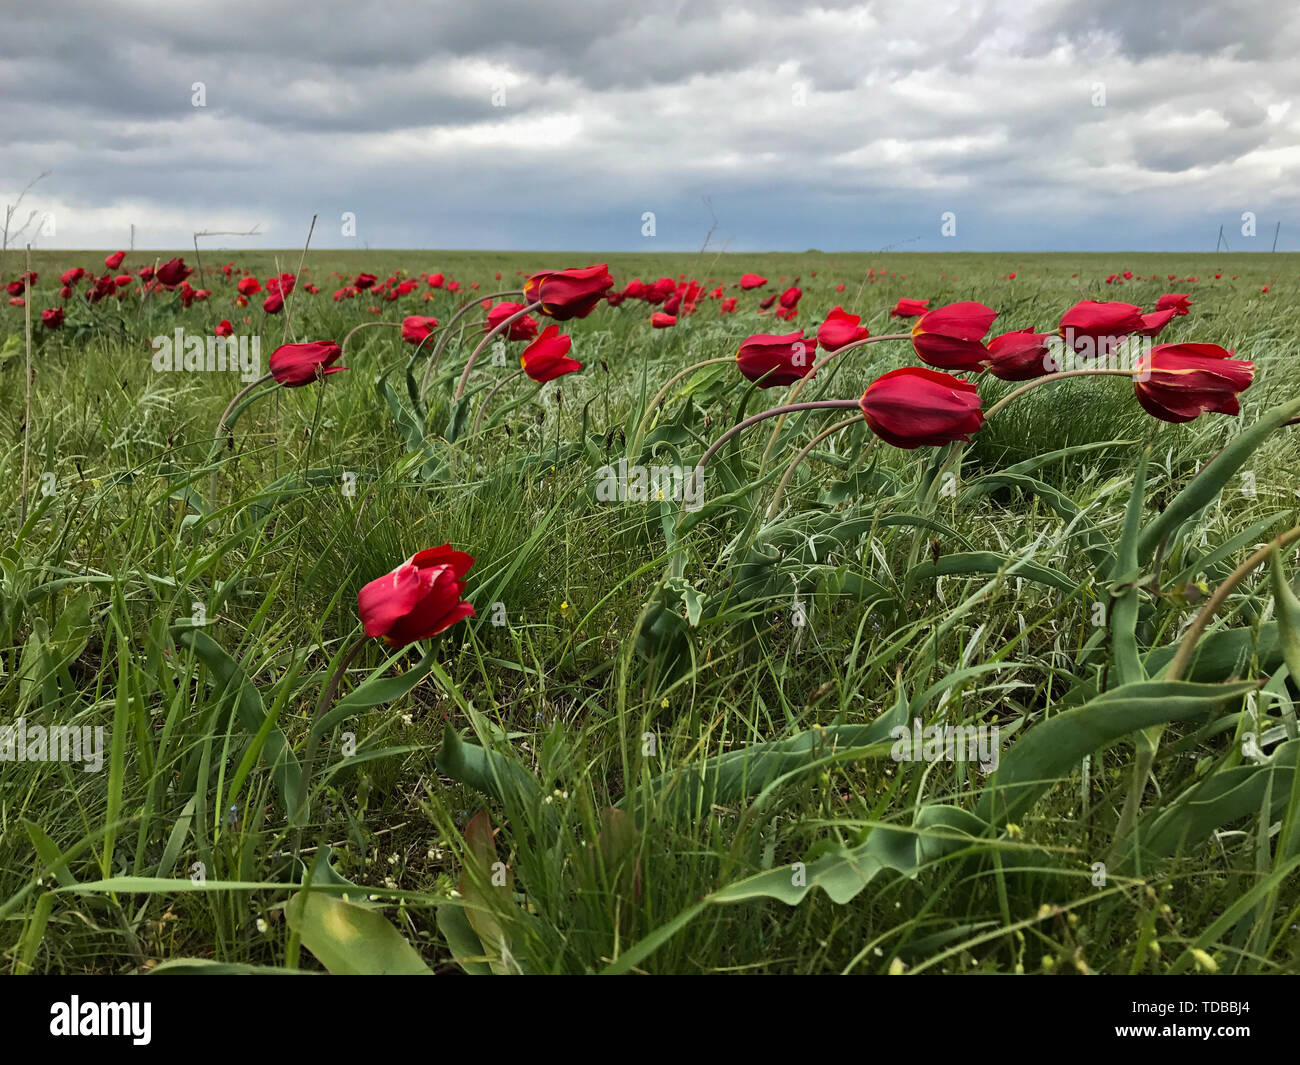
556, 124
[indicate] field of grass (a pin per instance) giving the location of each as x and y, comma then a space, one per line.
596, 733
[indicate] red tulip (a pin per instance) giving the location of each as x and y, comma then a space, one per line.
567, 294
776, 360
841, 328
1178, 301
173, 272
909, 308
949, 337
1178, 382
416, 329
224, 329
435, 280
248, 286
728, 306
524, 328
547, 357
1097, 329
1154, 323
419, 599
364, 281
915, 407
112, 262
53, 318
659, 320
71, 277
748, 281
274, 303
295, 365
1018, 356
791, 296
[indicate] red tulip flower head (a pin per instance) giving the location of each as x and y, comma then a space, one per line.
172, 272
416, 329
772, 361
1019, 356
659, 320
547, 357
419, 599
524, 328
839, 329
567, 294
915, 407
1096, 329
949, 337
1178, 301
113, 261
295, 365
748, 281
909, 308
1179, 382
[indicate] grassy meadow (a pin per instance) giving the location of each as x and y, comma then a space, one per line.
662, 744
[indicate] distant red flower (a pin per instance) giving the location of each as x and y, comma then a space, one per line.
364, 281
909, 308
52, 318
949, 337
1182, 381
419, 599
748, 281
791, 296
1018, 356
568, 294
295, 365
659, 320
776, 360
915, 407
112, 262
173, 272
524, 328
274, 303
224, 329
415, 329
435, 280
547, 357
71, 277
248, 286
728, 306
122, 280
841, 328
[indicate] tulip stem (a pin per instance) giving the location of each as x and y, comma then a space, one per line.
327, 696
478, 418
775, 412
1053, 377
487, 339
789, 470
221, 425
663, 392
798, 385
443, 336
364, 325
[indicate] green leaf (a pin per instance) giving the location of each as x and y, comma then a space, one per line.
1049, 750
350, 939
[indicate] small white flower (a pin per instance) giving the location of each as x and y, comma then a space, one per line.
262, 926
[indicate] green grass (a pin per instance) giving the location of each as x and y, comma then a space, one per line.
98, 583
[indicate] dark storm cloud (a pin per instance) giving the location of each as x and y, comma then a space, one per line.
557, 125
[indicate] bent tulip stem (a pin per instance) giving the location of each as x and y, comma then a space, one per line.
445, 333
1029, 385
789, 470
487, 339
221, 424
478, 418
798, 385
364, 325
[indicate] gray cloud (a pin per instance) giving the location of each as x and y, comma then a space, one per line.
556, 125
